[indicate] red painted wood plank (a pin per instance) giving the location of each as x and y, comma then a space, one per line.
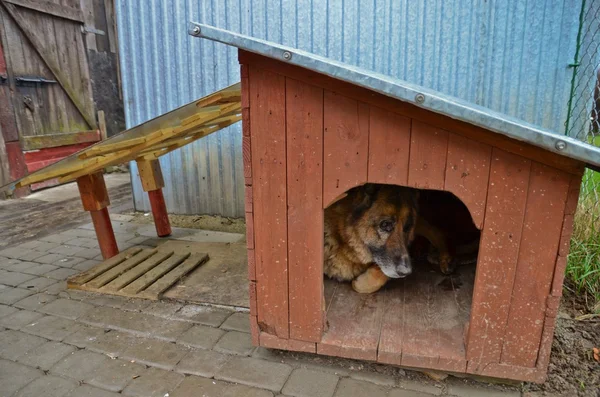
392, 328
428, 150
16, 160
251, 265
273, 342
389, 147
267, 125
546, 198
467, 173
498, 255
346, 140
304, 125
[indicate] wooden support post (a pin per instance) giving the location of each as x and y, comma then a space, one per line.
94, 198
152, 182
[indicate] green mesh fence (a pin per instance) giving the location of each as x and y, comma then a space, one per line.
583, 123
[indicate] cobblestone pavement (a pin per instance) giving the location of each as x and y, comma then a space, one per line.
59, 342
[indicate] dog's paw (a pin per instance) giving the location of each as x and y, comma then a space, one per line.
369, 282
446, 263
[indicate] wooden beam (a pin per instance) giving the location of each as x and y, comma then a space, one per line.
159, 213
47, 7
106, 148
50, 63
150, 174
92, 190
102, 125
55, 140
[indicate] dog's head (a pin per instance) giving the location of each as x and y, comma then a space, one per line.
384, 218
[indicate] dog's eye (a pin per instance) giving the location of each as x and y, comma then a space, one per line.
386, 225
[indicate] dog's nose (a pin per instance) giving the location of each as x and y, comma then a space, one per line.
403, 265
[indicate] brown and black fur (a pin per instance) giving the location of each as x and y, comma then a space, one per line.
368, 233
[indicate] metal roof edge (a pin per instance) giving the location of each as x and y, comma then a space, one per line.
407, 92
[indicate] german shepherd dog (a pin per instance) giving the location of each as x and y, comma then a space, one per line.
369, 231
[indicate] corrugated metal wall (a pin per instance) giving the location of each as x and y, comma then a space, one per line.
510, 56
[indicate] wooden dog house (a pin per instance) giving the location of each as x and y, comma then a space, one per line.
314, 128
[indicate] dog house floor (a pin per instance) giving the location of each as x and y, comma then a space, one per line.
416, 321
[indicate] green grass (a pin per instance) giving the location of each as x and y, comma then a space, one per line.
583, 265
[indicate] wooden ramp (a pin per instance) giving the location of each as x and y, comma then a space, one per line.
141, 272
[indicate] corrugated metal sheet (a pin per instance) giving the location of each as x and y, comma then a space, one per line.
511, 57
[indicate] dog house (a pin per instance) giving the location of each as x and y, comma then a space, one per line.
314, 128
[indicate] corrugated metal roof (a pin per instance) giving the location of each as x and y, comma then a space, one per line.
407, 92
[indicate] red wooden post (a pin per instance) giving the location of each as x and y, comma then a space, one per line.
94, 198
153, 182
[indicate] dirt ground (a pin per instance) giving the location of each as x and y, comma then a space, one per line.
204, 222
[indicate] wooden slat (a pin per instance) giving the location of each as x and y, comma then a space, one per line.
121, 268
498, 255
346, 142
105, 266
74, 96
62, 139
133, 274
157, 272
428, 150
467, 174
354, 325
155, 290
48, 7
392, 328
548, 189
304, 125
107, 147
389, 147
267, 119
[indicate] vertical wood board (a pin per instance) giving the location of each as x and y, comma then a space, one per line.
267, 125
428, 150
304, 126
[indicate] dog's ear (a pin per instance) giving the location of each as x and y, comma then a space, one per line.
364, 196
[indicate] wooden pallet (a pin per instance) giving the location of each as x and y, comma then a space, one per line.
140, 272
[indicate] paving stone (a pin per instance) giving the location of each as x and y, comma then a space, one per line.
34, 302
86, 265
40, 268
88, 253
83, 242
21, 266
203, 315
313, 362
139, 323
79, 365
31, 255
56, 238
200, 336
237, 322
57, 288
82, 231
12, 252
74, 294
65, 250
70, 262
19, 319
6, 262
253, 372
204, 363
46, 355
235, 342
154, 382
14, 376
67, 308
6, 310
14, 344
14, 278
407, 393
8, 296
90, 391
156, 353
61, 274
355, 388
47, 386
85, 336
195, 386
37, 245
163, 309
458, 388
49, 258
50, 327
113, 343
136, 305
38, 284
373, 377
421, 387
115, 375
308, 383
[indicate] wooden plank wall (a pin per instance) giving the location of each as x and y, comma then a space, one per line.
310, 144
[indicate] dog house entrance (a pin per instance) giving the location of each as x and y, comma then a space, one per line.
420, 320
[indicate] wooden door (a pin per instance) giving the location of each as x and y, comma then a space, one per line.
48, 76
